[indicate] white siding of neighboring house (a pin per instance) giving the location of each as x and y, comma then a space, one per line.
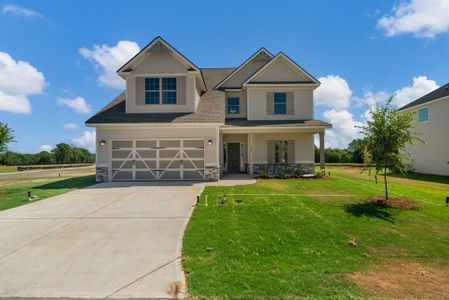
141, 132
280, 70
304, 146
257, 103
433, 156
242, 96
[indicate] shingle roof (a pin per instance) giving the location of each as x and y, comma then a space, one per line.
211, 106
440, 92
241, 122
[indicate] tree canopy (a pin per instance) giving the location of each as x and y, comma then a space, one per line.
6, 136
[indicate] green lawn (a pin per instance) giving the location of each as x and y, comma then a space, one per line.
7, 169
15, 192
294, 242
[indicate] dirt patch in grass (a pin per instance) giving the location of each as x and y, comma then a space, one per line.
404, 280
394, 202
2, 192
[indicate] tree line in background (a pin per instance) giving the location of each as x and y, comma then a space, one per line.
354, 153
62, 154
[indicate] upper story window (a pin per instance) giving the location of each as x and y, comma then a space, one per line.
423, 114
280, 103
233, 105
280, 152
160, 90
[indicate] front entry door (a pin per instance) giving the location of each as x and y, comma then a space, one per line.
233, 157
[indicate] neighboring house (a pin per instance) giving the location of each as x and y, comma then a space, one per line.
176, 121
432, 111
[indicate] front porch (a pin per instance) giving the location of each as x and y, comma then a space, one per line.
269, 152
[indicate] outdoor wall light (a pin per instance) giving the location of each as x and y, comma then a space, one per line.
209, 142
102, 143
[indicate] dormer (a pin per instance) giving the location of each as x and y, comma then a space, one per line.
160, 79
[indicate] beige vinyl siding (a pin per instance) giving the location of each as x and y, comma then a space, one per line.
259, 105
243, 74
280, 70
142, 132
186, 94
242, 97
303, 146
433, 156
159, 63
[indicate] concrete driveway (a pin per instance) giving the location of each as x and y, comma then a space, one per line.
111, 240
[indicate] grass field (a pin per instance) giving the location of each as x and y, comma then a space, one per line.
290, 239
14, 191
7, 169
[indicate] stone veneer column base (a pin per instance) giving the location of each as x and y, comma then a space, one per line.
101, 174
273, 170
212, 173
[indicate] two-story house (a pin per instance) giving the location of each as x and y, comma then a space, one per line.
432, 113
176, 121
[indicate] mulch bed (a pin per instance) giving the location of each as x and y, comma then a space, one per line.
394, 202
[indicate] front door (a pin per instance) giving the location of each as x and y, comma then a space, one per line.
233, 157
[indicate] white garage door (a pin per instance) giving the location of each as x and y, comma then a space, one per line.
161, 159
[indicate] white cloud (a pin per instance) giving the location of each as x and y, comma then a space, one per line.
17, 10
18, 80
78, 104
46, 148
343, 128
87, 140
109, 59
333, 92
71, 126
423, 18
421, 86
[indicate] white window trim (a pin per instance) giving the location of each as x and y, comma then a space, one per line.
417, 114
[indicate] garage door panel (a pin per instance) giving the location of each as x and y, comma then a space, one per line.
170, 175
146, 154
122, 175
194, 153
191, 164
168, 153
121, 153
122, 164
122, 144
192, 175
172, 164
145, 164
145, 175
146, 144
193, 144
170, 143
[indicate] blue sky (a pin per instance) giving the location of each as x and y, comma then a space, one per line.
57, 57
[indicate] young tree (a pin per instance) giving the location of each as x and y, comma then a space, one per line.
387, 134
6, 136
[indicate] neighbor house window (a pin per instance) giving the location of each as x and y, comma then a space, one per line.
157, 89
423, 114
233, 105
280, 151
280, 103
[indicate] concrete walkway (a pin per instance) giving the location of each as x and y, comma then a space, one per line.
108, 241
233, 180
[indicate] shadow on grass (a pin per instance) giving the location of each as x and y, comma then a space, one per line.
371, 210
69, 183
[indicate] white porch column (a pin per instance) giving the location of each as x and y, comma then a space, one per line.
322, 150
250, 153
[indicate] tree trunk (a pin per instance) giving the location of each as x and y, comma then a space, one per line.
385, 182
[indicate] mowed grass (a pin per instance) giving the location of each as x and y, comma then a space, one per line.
14, 192
7, 169
289, 240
